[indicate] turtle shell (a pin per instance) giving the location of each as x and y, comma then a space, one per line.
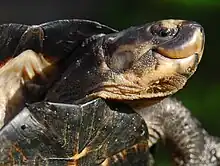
96, 133
61, 35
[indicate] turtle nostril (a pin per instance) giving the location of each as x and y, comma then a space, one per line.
201, 30
194, 24
197, 26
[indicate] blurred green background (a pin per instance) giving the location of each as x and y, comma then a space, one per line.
202, 93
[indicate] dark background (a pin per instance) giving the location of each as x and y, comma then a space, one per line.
202, 92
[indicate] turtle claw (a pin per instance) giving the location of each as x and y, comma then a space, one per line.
190, 144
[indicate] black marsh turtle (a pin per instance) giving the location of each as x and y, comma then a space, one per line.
54, 74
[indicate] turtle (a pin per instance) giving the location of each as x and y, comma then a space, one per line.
62, 68
74, 41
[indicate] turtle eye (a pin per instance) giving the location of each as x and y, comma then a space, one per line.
162, 31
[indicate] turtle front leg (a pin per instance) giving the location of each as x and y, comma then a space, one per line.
170, 121
24, 78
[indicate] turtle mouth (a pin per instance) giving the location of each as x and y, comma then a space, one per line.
184, 66
184, 52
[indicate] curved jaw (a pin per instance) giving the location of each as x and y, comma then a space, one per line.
153, 68
168, 76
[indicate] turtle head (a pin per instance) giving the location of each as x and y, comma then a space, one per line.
166, 40
150, 61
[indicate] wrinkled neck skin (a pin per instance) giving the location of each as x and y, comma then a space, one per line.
170, 121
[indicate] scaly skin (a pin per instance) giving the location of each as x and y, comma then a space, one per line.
173, 123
